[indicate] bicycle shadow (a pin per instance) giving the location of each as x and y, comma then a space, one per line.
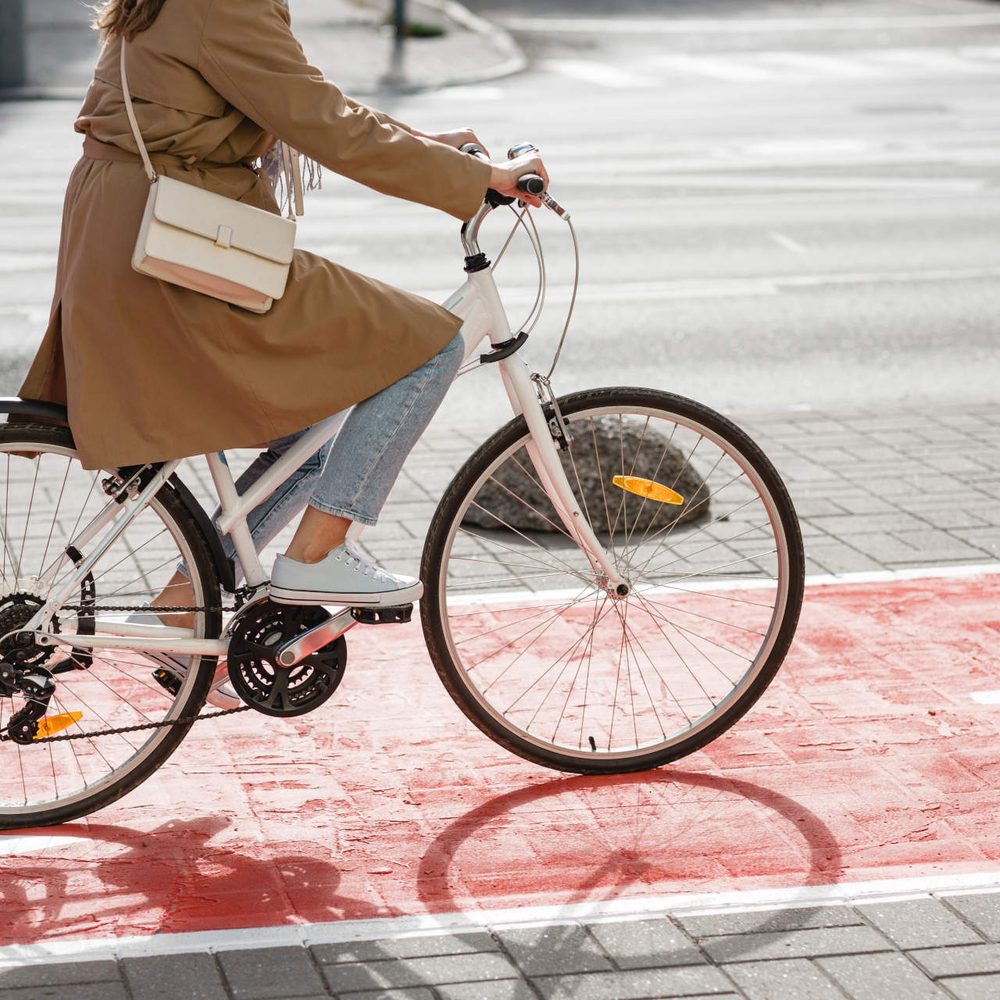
628, 866
166, 879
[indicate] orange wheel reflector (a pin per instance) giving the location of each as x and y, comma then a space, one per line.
647, 488
54, 723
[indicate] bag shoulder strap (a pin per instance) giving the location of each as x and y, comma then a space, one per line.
130, 111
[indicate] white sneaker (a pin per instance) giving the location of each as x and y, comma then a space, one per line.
345, 576
173, 667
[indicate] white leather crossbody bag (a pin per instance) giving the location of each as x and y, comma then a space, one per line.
207, 242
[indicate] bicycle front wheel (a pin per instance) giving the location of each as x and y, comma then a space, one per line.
565, 671
46, 500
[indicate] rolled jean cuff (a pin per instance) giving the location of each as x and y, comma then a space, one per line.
351, 515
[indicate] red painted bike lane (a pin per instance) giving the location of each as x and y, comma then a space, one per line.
867, 758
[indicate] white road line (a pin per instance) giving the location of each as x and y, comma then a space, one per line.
13, 846
488, 597
902, 575
934, 60
602, 74
677, 904
657, 26
811, 65
657, 291
722, 67
986, 697
473, 92
773, 66
787, 243
780, 183
10, 262
985, 52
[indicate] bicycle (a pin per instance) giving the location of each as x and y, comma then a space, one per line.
612, 579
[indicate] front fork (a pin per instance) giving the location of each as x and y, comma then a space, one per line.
544, 455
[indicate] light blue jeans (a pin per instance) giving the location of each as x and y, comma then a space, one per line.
351, 475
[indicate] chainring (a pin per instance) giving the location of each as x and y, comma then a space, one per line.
257, 634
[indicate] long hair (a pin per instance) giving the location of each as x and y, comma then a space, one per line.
125, 18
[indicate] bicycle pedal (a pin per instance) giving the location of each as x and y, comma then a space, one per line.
168, 681
382, 616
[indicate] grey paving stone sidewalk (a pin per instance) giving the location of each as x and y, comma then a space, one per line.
348, 39
874, 490
930, 946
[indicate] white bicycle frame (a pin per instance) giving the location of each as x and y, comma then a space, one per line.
477, 302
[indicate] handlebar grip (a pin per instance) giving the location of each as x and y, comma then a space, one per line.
530, 184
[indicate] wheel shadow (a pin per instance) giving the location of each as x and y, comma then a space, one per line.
629, 866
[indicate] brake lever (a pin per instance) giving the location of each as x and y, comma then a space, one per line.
549, 202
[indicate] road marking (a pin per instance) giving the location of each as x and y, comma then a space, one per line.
902, 575
658, 26
464, 921
938, 60
777, 65
787, 243
10, 262
18, 845
780, 183
813, 64
603, 74
658, 291
716, 67
488, 597
986, 697
474, 92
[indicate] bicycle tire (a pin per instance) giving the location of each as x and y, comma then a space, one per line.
42, 483
469, 613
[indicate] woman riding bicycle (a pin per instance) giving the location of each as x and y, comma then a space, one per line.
151, 371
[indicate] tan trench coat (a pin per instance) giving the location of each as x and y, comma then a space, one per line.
151, 371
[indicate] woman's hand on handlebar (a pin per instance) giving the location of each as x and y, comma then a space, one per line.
505, 174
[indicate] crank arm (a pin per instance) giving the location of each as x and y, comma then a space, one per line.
297, 649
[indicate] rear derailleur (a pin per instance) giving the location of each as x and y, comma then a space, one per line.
36, 685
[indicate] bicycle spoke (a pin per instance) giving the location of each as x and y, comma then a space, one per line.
55, 518
638, 677
45, 505
680, 656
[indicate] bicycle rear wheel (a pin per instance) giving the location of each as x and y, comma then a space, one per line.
560, 669
46, 498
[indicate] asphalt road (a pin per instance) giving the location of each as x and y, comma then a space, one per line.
786, 206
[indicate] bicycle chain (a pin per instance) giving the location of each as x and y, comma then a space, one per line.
91, 608
136, 729
147, 725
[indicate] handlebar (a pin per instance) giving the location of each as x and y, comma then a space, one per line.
528, 183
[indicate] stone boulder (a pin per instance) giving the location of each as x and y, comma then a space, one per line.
658, 460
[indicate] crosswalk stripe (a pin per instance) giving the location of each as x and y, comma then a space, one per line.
719, 67
813, 64
740, 25
924, 60
603, 74
775, 66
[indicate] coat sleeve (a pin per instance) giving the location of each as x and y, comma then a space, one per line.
357, 108
250, 56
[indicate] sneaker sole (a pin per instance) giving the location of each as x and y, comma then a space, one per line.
280, 595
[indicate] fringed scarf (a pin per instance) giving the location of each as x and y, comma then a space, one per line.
312, 174
271, 162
